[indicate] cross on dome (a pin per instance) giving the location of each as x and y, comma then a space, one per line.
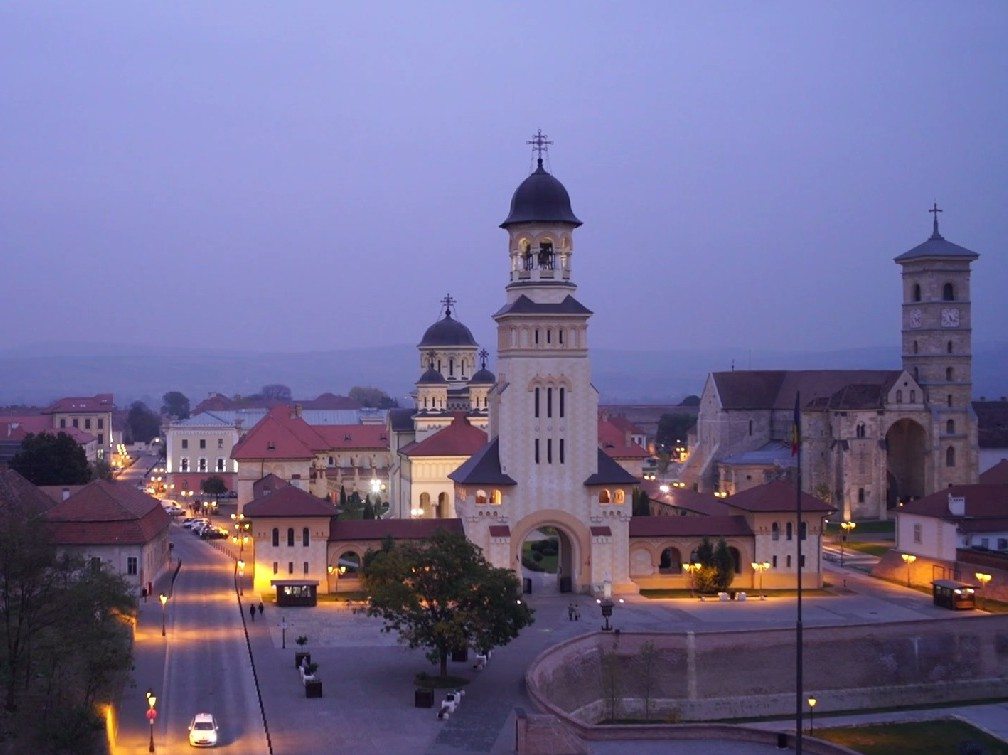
540, 144
934, 211
483, 358
448, 301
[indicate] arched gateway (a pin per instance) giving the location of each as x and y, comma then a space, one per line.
543, 452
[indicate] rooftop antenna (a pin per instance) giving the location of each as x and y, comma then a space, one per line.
934, 211
540, 145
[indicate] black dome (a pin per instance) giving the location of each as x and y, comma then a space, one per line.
540, 199
448, 332
431, 377
483, 377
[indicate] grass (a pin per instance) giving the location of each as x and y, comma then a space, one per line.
548, 563
750, 593
886, 527
872, 549
426, 681
925, 738
342, 597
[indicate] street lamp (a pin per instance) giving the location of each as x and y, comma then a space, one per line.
151, 717
164, 601
760, 567
983, 579
241, 527
692, 569
283, 632
846, 527
908, 558
811, 717
607, 607
241, 575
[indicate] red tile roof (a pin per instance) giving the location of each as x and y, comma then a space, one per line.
687, 499
457, 439
982, 502
17, 428
19, 496
354, 437
56, 491
281, 434
397, 529
996, 475
616, 442
108, 513
775, 496
267, 484
288, 501
622, 423
102, 402
689, 526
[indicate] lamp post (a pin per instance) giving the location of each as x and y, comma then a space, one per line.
846, 527
241, 576
811, 717
607, 608
760, 567
983, 579
908, 558
164, 601
283, 633
151, 717
693, 569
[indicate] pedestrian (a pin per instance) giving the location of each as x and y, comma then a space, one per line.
260, 608
570, 612
577, 612
252, 611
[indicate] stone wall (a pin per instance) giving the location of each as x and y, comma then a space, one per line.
725, 675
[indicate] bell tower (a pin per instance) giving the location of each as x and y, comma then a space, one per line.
938, 350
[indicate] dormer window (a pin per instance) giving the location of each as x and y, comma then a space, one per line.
270, 445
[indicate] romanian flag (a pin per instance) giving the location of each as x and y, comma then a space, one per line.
796, 427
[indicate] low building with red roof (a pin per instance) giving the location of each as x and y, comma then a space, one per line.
960, 517
92, 414
618, 438
116, 524
14, 429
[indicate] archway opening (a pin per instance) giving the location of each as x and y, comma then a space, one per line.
906, 454
547, 560
670, 561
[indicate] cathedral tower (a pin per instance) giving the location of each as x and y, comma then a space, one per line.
938, 351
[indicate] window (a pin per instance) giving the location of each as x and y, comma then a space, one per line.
803, 561
290, 537
497, 497
913, 397
131, 565
185, 443
275, 565
860, 495
549, 402
304, 537
76, 422
950, 427
202, 464
860, 431
101, 439
787, 532
101, 423
914, 347
184, 464
916, 292
604, 497
948, 348
619, 496
750, 427
63, 423
87, 423
917, 533
270, 445
775, 531
305, 567
787, 563
536, 450
560, 335
481, 496
985, 543
537, 402
561, 450
549, 335
290, 567
220, 443
948, 374
451, 368
202, 442
948, 292
899, 397
950, 457
537, 336
1002, 543
948, 399
803, 530
561, 399
549, 450
773, 562
220, 464
276, 541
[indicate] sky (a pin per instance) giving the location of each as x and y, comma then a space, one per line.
315, 176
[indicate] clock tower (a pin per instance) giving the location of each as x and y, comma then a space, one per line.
938, 352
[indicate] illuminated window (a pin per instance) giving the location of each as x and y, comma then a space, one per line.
604, 496
497, 497
619, 496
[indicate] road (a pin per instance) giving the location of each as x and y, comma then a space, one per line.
136, 473
201, 666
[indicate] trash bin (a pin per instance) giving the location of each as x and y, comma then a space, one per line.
731, 595
423, 698
527, 585
565, 584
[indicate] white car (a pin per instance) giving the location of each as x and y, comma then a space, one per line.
203, 731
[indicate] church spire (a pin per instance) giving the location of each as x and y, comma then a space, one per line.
448, 301
540, 145
934, 211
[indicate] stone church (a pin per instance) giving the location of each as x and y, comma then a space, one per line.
872, 439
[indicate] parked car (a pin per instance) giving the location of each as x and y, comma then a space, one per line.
213, 533
203, 730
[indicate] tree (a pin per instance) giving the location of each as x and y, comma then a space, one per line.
368, 512
724, 564
691, 400
353, 508
611, 666
372, 397
144, 425
647, 674
47, 459
673, 428
175, 404
278, 392
441, 594
641, 503
214, 485
102, 470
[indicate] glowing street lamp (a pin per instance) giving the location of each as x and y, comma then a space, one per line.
164, 602
151, 717
692, 569
811, 720
983, 579
760, 567
846, 527
607, 608
908, 558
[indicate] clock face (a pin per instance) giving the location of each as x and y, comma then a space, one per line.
915, 318
950, 317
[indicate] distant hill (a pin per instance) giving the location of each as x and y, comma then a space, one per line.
40, 373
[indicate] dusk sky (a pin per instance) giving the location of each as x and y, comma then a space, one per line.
295, 176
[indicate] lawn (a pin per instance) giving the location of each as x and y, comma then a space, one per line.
658, 593
925, 738
872, 549
876, 527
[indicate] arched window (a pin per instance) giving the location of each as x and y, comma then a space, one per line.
290, 537
914, 347
948, 292
948, 348
481, 496
604, 496
349, 564
788, 533
950, 457
497, 497
670, 562
950, 427
304, 537
948, 374
750, 427
424, 502
775, 531
442, 505
899, 396
916, 292
276, 537
860, 432
619, 496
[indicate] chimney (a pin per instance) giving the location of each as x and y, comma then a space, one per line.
65, 494
957, 505
297, 410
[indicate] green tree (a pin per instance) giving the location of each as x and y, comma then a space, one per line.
47, 459
214, 485
724, 564
175, 404
144, 425
641, 503
102, 470
611, 666
372, 397
277, 391
691, 400
353, 508
647, 674
441, 594
368, 512
672, 428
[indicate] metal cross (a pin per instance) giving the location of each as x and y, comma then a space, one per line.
483, 357
934, 211
540, 144
448, 301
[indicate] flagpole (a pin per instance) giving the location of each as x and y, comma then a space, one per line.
799, 694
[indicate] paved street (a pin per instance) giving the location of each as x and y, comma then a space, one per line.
202, 664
